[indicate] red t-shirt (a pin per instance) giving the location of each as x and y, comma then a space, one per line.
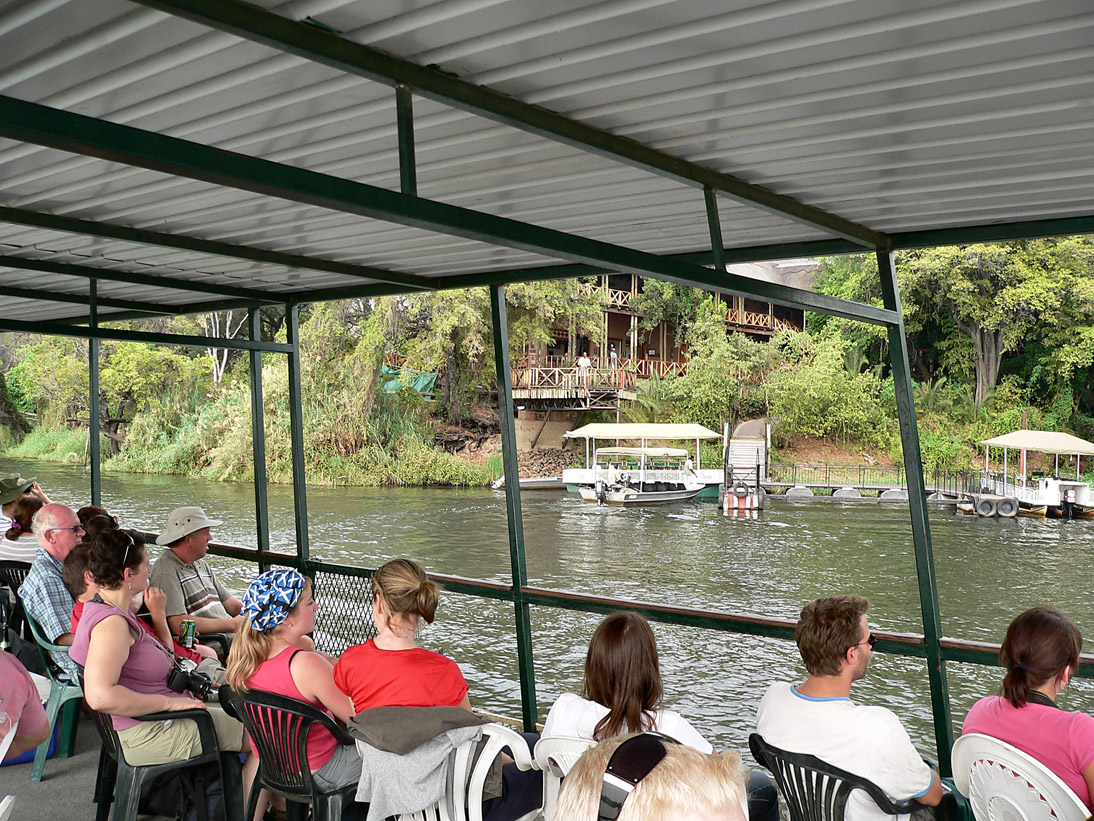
398, 678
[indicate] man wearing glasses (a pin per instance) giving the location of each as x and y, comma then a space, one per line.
819, 718
44, 593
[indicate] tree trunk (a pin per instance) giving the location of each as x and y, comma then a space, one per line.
453, 394
989, 356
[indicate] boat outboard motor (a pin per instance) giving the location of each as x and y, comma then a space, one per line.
601, 491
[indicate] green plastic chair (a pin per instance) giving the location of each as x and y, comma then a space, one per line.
62, 697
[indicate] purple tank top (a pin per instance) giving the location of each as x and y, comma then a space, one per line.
146, 669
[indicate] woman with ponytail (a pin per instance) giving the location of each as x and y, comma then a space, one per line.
1041, 651
18, 543
391, 670
271, 651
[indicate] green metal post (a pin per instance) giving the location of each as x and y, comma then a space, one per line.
258, 440
525, 666
917, 504
715, 225
296, 434
93, 422
404, 110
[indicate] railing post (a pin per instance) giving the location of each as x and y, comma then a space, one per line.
296, 432
917, 505
518, 565
258, 440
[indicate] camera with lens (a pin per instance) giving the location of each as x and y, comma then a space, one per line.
199, 684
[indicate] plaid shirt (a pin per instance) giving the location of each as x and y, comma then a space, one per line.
49, 603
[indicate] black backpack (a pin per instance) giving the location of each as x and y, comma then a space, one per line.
175, 795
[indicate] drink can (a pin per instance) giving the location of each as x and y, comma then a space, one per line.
188, 633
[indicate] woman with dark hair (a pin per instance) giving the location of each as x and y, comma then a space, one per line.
19, 544
621, 694
126, 668
621, 690
1041, 651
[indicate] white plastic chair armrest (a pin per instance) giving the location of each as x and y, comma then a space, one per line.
496, 737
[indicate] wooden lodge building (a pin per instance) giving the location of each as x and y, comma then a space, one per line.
551, 390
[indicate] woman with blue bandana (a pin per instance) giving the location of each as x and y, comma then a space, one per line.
272, 652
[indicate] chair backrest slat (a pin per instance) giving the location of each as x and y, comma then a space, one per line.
814, 790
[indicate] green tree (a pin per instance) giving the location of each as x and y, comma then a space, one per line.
719, 368
997, 296
661, 301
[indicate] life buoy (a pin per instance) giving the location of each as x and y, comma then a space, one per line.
741, 489
987, 507
1007, 508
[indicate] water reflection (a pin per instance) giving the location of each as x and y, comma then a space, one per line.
987, 571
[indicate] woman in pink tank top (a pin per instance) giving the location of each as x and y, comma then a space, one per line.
272, 651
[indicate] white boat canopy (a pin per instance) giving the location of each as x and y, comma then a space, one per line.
1043, 441
637, 430
642, 452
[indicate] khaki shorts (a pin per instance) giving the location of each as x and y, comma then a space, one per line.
177, 739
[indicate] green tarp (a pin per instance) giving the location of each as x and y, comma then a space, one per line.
391, 379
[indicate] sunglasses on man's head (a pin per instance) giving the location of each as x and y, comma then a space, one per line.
870, 639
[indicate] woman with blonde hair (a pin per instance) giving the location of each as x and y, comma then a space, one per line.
682, 785
271, 651
1041, 653
391, 670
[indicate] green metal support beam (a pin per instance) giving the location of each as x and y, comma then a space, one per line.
258, 440
517, 560
83, 332
144, 308
408, 165
132, 278
296, 432
917, 504
63, 130
328, 48
72, 225
93, 404
714, 225
1001, 232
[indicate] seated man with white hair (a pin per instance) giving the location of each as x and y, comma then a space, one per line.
649, 777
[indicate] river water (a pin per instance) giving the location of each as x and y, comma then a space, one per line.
687, 555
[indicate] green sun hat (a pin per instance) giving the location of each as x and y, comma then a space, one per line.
13, 486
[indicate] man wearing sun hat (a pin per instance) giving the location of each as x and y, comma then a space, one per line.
12, 488
192, 589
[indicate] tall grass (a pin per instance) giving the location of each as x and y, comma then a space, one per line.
65, 445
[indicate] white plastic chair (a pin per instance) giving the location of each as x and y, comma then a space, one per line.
463, 793
556, 757
1004, 784
6, 807
9, 736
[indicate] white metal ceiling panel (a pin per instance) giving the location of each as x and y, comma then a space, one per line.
898, 116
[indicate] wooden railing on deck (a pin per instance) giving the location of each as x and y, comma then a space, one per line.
623, 300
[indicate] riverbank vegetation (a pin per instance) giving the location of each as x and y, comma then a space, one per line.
1000, 337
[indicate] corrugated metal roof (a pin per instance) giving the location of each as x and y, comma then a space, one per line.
898, 116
